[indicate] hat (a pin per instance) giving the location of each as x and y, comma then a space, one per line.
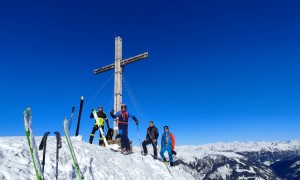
166, 127
100, 107
151, 122
123, 105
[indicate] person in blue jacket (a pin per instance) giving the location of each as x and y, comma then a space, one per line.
123, 117
167, 144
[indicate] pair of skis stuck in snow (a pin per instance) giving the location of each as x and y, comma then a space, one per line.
43, 146
38, 166
39, 170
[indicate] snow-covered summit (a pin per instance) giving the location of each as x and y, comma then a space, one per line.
95, 162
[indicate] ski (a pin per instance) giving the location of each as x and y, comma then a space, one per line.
100, 129
114, 150
127, 153
119, 150
169, 170
167, 164
58, 146
79, 116
71, 117
27, 115
75, 163
43, 147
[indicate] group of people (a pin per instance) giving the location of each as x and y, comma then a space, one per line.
167, 142
167, 139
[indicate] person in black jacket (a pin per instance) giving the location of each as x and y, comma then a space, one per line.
151, 138
101, 116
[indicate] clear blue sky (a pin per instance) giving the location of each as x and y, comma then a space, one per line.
217, 70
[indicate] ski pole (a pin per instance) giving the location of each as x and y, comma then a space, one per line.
137, 126
154, 144
43, 147
58, 146
73, 109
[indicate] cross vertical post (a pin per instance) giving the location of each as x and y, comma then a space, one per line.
118, 74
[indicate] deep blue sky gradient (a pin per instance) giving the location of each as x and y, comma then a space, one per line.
217, 70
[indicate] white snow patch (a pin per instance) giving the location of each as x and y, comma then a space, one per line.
222, 173
95, 162
296, 164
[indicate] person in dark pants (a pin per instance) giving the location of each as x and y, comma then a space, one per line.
101, 117
151, 138
123, 117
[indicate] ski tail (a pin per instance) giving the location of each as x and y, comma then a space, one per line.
42, 146
70, 146
58, 139
27, 116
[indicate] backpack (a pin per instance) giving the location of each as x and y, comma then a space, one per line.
109, 134
126, 115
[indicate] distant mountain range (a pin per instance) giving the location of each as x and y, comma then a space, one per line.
252, 160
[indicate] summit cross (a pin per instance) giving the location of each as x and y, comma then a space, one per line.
118, 66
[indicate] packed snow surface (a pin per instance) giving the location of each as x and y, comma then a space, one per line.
98, 162
95, 162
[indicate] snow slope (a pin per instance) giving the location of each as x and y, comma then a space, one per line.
95, 162
211, 161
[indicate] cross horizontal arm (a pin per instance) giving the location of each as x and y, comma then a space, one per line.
123, 63
104, 68
134, 59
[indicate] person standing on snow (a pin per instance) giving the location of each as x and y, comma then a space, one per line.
101, 117
151, 138
167, 144
123, 117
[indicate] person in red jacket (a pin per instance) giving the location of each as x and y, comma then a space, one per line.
167, 144
123, 118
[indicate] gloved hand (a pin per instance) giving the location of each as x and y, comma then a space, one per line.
92, 115
174, 152
107, 122
112, 114
137, 122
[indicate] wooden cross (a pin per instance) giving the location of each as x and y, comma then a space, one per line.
118, 66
